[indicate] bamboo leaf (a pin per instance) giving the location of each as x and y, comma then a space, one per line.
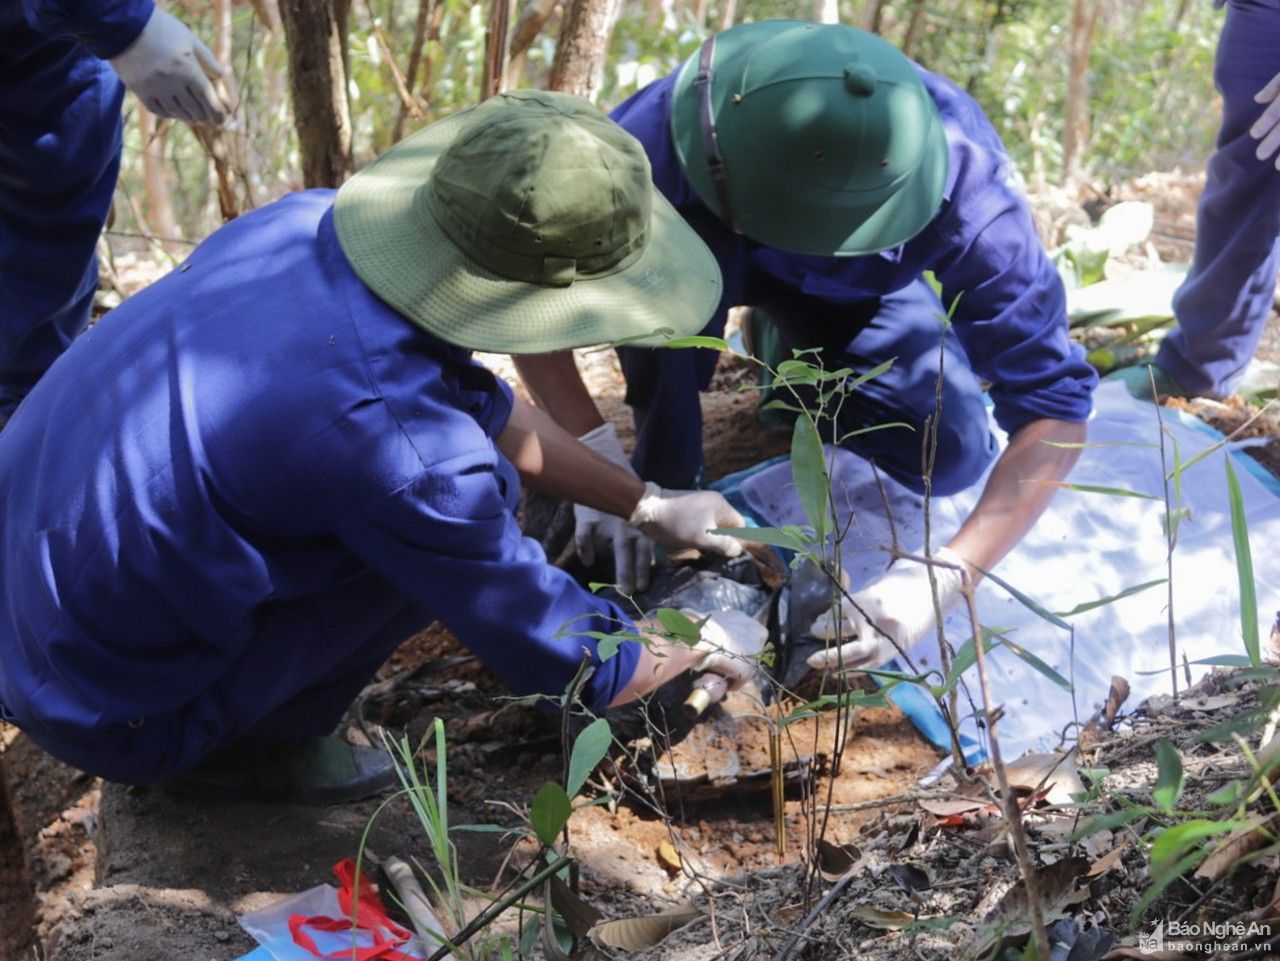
1104, 601
1244, 568
790, 537
1169, 777
708, 343
1027, 657
1096, 489
589, 749
1036, 608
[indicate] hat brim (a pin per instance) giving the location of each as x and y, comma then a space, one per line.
403, 256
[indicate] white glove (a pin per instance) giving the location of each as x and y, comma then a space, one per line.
594, 530
678, 519
900, 604
732, 641
168, 68
1266, 128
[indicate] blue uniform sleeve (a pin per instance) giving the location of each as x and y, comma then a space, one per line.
449, 540
646, 115
105, 27
1011, 316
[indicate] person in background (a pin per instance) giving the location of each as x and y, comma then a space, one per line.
64, 68
828, 172
241, 490
1223, 305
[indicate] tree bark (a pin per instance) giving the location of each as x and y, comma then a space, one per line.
872, 15
578, 67
157, 198
495, 49
315, 34
728, 13
534, 15
914, 26
1075, 134
17, 899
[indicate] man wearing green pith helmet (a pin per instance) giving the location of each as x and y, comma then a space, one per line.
280, 461
828, 173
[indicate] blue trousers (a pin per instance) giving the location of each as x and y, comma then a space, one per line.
60, 141
1223, 305
663, 385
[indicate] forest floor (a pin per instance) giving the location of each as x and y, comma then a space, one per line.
134, 874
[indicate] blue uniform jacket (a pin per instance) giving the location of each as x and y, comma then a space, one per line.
104, 27
211, 490
982, 246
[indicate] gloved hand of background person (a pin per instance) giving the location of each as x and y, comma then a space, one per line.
169, 69
900, 604
1266, 129
679, 519
732, 642
595, 530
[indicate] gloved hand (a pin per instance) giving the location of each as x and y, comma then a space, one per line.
1266, 128
594, 530
168, 68
900, 604
679, 519
732, 641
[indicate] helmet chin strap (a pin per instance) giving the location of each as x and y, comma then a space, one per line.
710, 141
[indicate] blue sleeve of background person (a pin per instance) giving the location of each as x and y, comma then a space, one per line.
105, 27
1011, 315
646, 115
450, 540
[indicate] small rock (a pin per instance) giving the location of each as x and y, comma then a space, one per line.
58, 866
222, 937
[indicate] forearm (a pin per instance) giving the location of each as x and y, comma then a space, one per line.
552, 462
1018, 491
556, 386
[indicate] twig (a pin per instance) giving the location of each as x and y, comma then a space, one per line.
1012, 813
486, 917
813, 915
1170, 539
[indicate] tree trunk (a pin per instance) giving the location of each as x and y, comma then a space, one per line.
17, 900
1075, 134
495, 49
315, 34
914, 26
728, 13
826, 11
158, 202
411, 69
534, 15
872, 15
584, 41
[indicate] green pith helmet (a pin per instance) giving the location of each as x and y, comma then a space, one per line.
829, 141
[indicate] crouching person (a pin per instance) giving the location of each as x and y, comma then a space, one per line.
227, 504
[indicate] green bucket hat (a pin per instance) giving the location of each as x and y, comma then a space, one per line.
811, 138
529, 223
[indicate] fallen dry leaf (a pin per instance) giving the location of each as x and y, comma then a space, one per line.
1108, 860
642, 933
577, 913
1209, 702
945, 808
669, 858
1243, 840
1051, 772
885, 920
835, 860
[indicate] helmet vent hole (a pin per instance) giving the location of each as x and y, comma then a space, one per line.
818, 154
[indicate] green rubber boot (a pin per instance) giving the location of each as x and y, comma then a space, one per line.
318, 770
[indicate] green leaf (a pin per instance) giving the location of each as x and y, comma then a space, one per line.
966, 656
1039, 665
589, 750
679, 625
709, 343
809, 473
1104, 601
1036, 608
791, 537
549, 812
1244, 568
1107, 822
1096, 489
782, 405
797, 372
829, 702
1169, 777
1229, 795
873, 373
1172, 843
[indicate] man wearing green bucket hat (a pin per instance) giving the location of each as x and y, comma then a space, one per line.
828, 172
279, 461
